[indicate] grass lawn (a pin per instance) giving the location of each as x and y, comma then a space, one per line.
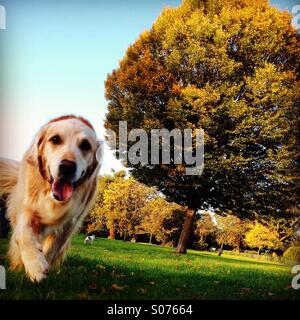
112, 269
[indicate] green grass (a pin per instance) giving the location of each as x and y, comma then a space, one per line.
112, 269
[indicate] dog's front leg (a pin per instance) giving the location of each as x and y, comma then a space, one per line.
59, 244
34, 260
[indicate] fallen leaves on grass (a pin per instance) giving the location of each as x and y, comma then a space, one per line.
115, 287
50, 295
80, 268
196, 296
116, 275
289, 286
100, 267
95, 272
142, 290
93, 286
82, 296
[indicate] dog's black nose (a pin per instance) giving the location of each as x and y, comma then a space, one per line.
67, 168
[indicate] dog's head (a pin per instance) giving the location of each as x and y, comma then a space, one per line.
66, 152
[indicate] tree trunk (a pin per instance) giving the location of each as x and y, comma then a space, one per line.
125, 236
220, 251
258, 252
186, 231
112, 233
150, 240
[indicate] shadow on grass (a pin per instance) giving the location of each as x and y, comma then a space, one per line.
152, 272
83, 278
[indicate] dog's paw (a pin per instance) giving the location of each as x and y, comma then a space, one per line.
38, 269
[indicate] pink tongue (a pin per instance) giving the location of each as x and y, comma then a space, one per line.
62, 190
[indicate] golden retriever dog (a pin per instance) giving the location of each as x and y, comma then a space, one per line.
50, 192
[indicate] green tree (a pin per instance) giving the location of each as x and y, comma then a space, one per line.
205, 227
231, 231
123, 201
230, 67
260, 236
96, 220
156, 216
286, 228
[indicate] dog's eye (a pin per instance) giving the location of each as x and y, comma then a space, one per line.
85, 145
56, 139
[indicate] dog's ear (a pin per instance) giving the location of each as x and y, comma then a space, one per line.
98, 157
100, 151
32, 153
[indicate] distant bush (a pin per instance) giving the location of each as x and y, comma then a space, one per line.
292, 254
253, 254
250, 252
201, 246
274, 255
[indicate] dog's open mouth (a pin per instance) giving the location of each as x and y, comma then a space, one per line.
61, 189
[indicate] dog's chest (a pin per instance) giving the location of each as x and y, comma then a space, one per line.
55, 214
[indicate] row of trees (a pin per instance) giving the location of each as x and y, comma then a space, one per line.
231, 231
128, 209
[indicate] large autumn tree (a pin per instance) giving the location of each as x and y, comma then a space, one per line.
230, 67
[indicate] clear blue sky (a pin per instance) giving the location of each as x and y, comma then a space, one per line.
55, 56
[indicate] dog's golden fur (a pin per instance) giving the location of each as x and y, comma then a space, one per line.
41, 225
